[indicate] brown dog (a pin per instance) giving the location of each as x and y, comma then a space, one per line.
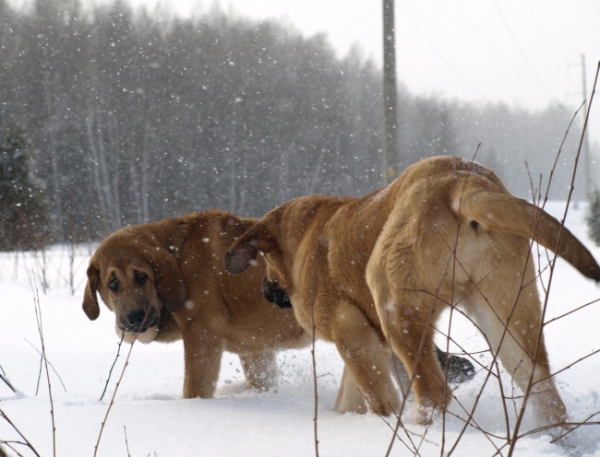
165, 281
378, 271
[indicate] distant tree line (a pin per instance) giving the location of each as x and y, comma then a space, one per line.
23, 211
135, 117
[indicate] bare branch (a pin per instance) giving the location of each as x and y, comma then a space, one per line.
112, 400
25, 441
38, 316
113, 366
552, 265
313, 299
126, 442
49, 364
4, 378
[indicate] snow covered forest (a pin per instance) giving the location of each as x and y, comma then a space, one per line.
134, 116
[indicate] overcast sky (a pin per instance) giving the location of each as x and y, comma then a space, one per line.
523, 52
526, 53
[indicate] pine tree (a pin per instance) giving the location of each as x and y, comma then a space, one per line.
23, 210
593, 217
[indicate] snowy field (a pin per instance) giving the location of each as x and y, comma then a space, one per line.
148, 417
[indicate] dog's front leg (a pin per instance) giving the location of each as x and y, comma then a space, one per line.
202, 366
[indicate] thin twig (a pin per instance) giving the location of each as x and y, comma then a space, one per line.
581, 359
572, 426
572, 311
553, 263
429, 322
14, 427
395, 431
452, 295
313, 299
5, 379
506, 331
113, 366
39, 378
112, 400
38, 316
49, 364
126, 442
7, 382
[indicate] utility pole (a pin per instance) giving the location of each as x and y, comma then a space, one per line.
586, 146
390, 104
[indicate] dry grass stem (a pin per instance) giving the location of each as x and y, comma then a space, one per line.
112, 400
38, 316
126, 442
5, 379
13, 443
552, 266
313, 299
40, 369
113, 365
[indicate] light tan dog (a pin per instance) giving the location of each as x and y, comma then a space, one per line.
378, 271
165, 281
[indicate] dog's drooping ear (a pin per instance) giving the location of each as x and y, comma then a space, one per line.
238, 259
260, 238
90, 299
169, 283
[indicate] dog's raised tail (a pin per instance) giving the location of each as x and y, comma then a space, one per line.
503, 212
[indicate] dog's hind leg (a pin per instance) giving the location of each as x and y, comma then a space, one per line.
260, 369
408, 324
349, 398
518, 349
368, 359
407, 313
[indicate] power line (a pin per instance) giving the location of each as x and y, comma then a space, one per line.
488, 42
542, 27
442, 57
520, 49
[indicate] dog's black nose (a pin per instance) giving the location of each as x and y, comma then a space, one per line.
136, 318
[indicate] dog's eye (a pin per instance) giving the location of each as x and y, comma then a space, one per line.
113, 285
141, 278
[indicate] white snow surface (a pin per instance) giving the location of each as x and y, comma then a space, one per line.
149, 418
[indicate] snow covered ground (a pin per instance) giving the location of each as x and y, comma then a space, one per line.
149, 417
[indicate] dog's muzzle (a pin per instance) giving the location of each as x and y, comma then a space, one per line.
139, 320
275, 294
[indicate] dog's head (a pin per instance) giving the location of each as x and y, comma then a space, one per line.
264, 239
138, 280
274, 293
